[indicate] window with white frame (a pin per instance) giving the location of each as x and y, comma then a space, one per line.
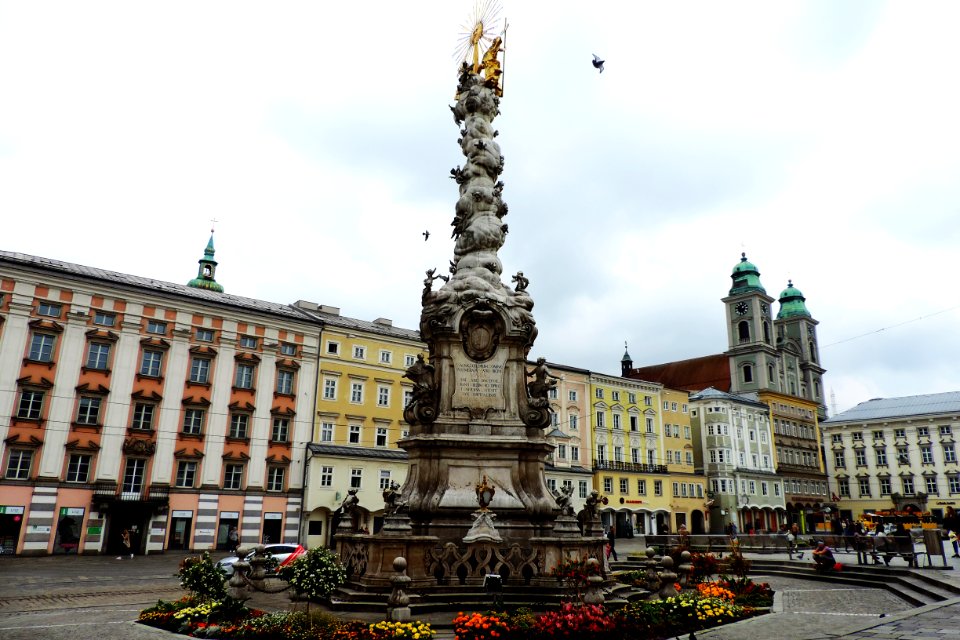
288, 349
552, 484
356, 478
281, 430
356, 392
583, 488
931, 485
573, 421
618, 454
333, 348
384, 479
616, 420
104, 319
41, 347
884, 486
276, 478
156, 326
572, 396
133, 473
204, 335
953, 480
553, 393
649, 425
239, 423
193, 421
598, 393
863, 486
600, 420
945, 430
608, 484
383, 396
625, 486
233, 476
78, 467
329, 389
658, 487
18, 464
574, 454
200, 370
908, 488
407, 396
285, 381
949, 453
244, 376
386, 357
248, 342
381, 436
926, 454
88, 410
601, 453
354, 434
359, 352
641, 487
409, 360
562, 451
326, 432
98, 356
326, 476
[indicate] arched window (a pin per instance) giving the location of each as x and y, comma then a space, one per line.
771, 374
747, 373
813, 351
766, 332
743, 330
816, 389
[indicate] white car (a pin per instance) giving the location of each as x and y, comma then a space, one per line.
278, 552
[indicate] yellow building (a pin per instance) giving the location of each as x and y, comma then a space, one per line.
687, 488
629, 458
361, 393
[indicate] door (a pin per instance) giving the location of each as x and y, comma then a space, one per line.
180, 534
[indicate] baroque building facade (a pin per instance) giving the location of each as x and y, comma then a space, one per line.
173, 412
895, 454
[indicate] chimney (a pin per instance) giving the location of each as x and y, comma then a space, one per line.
306, 305
334, 311
387, 322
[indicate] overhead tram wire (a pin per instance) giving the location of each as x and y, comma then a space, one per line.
892, 326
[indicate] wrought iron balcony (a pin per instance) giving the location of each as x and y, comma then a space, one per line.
635, 467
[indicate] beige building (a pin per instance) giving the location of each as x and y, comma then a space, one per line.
897, 454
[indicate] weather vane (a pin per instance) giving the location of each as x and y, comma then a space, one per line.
480, 31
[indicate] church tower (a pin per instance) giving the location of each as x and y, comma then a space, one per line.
751, 351
206, 274
626, 362
796, 330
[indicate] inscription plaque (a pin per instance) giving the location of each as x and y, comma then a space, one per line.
479, 385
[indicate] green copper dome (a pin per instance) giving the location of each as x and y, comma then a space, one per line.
746, 277
792, 303
206, 273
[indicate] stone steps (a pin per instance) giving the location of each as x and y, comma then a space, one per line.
916, 588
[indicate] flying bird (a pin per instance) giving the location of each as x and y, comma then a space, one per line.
426, 235
598, 63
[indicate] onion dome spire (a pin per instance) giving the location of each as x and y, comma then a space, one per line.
206, 274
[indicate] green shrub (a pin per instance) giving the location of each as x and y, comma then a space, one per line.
315, 574
203, 578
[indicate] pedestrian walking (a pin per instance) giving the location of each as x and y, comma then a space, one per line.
234, 537
127, 545
612, 544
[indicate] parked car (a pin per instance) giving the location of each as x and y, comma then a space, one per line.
278, 553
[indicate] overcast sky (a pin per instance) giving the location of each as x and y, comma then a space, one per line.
821, 138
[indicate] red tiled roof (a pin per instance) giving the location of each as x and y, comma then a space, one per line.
692, 375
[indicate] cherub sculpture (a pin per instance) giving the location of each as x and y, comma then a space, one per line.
392, 504
564, 498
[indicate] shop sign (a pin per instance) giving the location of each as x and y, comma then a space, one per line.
273, 516
94, 531
71, 511
156, 532
229, 515
183, 514
634, 501
38, 528
11, 511
203, 532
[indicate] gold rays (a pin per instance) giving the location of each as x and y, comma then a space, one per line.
479, 31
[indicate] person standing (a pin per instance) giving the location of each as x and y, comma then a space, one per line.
951, 522
612, 543
234, 539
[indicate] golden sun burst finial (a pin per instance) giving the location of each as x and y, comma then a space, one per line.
479, 32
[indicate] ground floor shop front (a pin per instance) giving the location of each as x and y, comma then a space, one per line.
45, 520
